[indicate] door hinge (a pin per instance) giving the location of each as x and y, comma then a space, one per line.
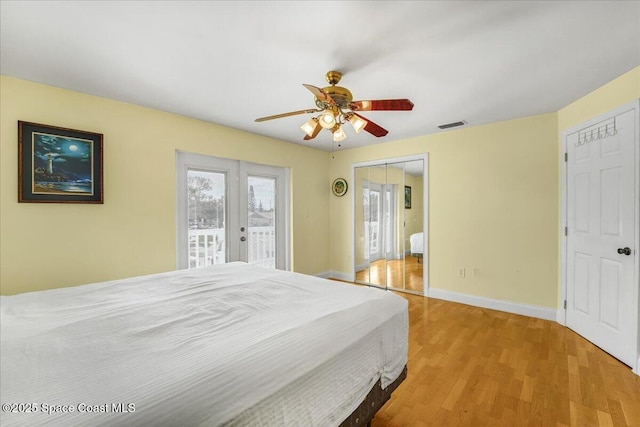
566, 157
565, 304
566, 231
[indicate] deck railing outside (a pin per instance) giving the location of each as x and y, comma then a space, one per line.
208, 246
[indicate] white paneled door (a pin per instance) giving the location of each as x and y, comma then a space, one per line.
602, 287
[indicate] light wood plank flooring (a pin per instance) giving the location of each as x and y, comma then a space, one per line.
391, 272
470, 366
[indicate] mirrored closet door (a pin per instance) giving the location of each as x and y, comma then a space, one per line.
388, 225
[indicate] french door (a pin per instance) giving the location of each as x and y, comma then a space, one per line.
379, 218
230, 210
373, 221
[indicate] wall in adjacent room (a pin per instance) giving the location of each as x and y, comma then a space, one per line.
133, 233
413, 217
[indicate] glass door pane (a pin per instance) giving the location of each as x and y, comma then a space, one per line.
394, 225
361, 225
369, 226
376, 217
415, 244
261, 211
389, 210
230, 210
374, 220
206, 212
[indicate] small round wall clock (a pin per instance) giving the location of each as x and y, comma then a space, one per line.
339, 187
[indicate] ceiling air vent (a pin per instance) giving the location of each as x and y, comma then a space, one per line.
452, 125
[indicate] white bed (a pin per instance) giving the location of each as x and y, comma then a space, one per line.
416, 242
227, 345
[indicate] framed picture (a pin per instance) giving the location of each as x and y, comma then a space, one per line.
339, 187
407, 197
59, 165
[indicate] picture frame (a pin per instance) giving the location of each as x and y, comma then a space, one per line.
339, 187
59, 165
407, 197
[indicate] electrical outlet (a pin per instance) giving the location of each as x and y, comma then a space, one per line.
460, 271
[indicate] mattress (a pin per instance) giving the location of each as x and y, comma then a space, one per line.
416, 241
232, 344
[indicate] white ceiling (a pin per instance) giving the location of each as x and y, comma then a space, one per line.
231, 62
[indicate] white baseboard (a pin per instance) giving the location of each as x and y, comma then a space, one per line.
494, 304
340, 275
508, 306
637, 369
336, 275
361, 267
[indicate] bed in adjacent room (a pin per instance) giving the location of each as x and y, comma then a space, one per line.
232, 344
416, 243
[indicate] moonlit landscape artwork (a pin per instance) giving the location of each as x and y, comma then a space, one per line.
62, 165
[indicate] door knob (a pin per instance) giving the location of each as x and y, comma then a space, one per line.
625, 251
242, 239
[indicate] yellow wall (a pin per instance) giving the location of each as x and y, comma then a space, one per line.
494, 199
493, 208
620, 91
493, 195
54, 245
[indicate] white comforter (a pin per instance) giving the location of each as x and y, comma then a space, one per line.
226, 345
416, 241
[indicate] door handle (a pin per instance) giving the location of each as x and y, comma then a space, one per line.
242, 239
625, 251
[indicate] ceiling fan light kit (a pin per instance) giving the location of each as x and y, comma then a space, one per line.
358, 123
311, 127
328, 119
336, 107
339, 135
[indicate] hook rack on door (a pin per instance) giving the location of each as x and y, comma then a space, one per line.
597, 132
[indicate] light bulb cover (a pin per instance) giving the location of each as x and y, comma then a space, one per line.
339, 135
327, 120
311, 127
357, 122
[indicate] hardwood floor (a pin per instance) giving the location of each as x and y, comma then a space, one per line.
391, 272
471, 366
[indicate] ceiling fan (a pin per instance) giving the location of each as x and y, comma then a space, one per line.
336, 105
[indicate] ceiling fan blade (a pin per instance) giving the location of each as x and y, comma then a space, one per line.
373, 128
293, 113
382, 104
320, 94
